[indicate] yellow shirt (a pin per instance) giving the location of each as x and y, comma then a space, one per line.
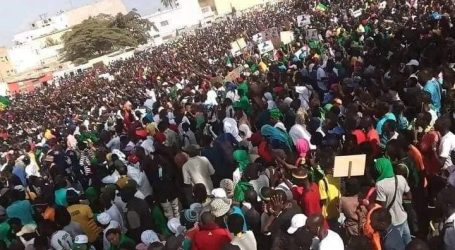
83, 215
331, 197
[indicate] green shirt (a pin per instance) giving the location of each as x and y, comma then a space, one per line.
123, 240
60, 197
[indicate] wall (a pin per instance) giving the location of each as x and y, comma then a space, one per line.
110, 7
6, 68
224, 7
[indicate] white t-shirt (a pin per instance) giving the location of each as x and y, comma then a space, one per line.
446, 146
198, 169
246, 241
297, 131
320, 74
385, 190
331, 242
61, 240
260, 182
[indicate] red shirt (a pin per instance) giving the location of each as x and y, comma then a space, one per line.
263, 151
308, 200
360, 136
432, 165
210, 237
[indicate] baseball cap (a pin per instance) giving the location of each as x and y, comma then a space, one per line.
298, 221
27, 229
413, 62
81, 239
149, 236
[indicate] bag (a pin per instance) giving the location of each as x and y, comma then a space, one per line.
394, 194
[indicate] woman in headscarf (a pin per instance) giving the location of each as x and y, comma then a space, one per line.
302, 147
230, 126
242, 159
277, 138
269, 99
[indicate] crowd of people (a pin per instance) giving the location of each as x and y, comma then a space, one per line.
188, 146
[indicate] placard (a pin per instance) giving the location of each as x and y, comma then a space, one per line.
303, 20
312, 34
258, 38
235, 47
357, 13
265, 47
241, 42
287, 37
349, 165
238, 45
235, 52
271, 33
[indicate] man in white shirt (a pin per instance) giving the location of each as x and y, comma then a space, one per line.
197, 169
328, 239
244, 240
104, 219
447, 144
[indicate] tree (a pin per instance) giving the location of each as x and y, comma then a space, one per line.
104, 34
168, 3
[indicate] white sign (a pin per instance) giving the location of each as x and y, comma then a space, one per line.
235, 53
238, 45
286, 37
312, 34
303, 20
265, 47
258, 38
357, 13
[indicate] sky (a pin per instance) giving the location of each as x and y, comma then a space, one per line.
17, 15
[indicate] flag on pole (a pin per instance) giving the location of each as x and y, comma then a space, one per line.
4, 102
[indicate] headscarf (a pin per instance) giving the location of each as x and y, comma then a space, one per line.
242, 158
384, 168
275, 113
276, 134
302, 147
151, 128
246, 130
230, 126
239, 190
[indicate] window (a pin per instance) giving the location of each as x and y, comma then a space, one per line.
164, 23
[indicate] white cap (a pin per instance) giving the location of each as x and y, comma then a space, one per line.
149, 236
103, 218
219, 193
173, 225
81, 239
413, 62
298, 221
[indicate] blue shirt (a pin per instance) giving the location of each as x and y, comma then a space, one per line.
22, 210
20, 173
432, 86
391, 240
384, 118
60, 197
237, 210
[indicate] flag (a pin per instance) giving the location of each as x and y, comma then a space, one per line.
228, 62
4, 102
321, 7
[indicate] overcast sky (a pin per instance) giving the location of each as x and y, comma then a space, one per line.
17, 15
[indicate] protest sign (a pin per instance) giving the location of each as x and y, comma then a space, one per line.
234, 74
286, 37
265, 47
357, 13
349, 165
321, 7
235, 47
271, 33
235, 52
303, 20
302, 52
238, 45
258, 38
241, 42
312, 34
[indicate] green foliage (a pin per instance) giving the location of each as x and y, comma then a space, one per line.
168, 3
104, 34
49, 42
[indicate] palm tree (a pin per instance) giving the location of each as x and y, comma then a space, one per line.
168, 3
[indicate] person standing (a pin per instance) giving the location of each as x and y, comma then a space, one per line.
197, 169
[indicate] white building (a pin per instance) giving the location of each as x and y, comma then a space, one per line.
41, 45
186, 14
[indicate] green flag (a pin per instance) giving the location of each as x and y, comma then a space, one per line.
4, 102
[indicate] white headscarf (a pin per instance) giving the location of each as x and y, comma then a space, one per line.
246, 130
230, 126
211, 98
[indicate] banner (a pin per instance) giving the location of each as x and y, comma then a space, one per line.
271, 33
312, 34
265, 47
303, 20
287, 37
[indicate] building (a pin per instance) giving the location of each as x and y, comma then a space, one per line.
223, 7
41, 45
168, 23
6, 69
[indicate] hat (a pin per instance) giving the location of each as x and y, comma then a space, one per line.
149, 236
219, 193
81, 239
103, 218
27, 229
413, 62
228, 186
188, 217
220, 206
19, 188
298, 221
173, 225
197, 207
